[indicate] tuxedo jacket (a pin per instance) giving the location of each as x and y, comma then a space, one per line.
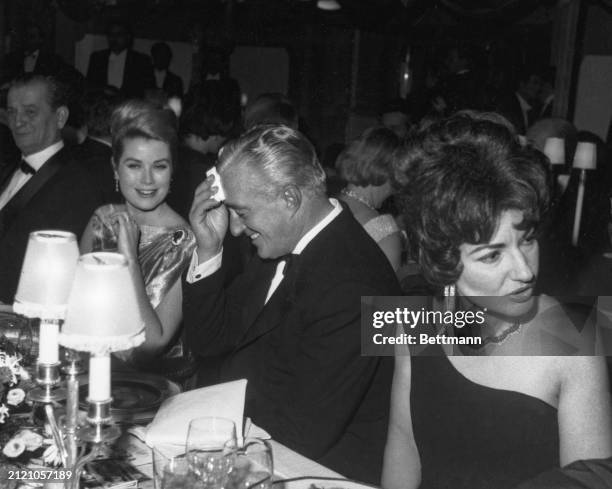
510, 108
96, 157
307, 383
173, 85
61, 195
137, 74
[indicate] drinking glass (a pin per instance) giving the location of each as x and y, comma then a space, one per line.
253, 466
211, 444
172, 472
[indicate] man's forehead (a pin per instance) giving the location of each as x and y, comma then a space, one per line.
34, 93
239, 182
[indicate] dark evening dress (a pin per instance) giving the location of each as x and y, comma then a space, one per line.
471, 436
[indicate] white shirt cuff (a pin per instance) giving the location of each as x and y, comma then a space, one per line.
198, 272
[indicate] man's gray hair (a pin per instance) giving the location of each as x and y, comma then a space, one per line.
283, 155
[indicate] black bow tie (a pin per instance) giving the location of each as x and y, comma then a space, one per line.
290, 260
26, 168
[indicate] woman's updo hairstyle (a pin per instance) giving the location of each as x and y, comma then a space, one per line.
142, 119
457, 176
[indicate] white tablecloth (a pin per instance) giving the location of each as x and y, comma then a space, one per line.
287, 463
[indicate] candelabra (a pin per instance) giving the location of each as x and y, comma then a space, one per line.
97, 299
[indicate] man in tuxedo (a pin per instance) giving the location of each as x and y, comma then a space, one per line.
33, 58
521, 107
47, 189
170, 83
290, 323
119, 65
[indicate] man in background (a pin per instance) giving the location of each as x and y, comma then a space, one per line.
170, 83
120, 66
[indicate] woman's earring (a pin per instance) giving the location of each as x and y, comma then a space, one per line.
449, 297
116, 184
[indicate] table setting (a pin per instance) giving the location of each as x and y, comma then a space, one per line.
69, 420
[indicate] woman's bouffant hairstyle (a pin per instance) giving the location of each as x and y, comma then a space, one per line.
458, 176
141, 119
368, 160
283, 155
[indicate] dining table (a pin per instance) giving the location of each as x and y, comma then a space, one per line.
288, 464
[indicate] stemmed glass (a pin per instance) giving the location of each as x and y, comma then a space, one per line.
210, 449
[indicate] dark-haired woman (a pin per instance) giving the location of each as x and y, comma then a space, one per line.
484, 416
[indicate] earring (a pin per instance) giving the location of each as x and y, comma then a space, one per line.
449, 297
116, 184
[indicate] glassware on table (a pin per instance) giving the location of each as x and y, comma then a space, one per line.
253, 466
210, 448
172, 472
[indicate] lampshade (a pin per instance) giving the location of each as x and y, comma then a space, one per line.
585, 157
554, 148
103, 314
46, 275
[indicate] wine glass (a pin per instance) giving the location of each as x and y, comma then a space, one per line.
211, 444
253, 466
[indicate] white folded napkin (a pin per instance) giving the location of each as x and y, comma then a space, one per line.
171, 423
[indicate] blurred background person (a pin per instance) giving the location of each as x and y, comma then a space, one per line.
120, 66
165, 80
366, 165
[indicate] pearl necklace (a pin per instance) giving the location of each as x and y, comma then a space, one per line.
500, 338
358, 198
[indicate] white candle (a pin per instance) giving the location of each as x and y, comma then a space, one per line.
99, 378
579, 203
48, 348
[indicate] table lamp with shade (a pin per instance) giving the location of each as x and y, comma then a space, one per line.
103, 317
44, 285
585, 158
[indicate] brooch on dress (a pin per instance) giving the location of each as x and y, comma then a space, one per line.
178, 236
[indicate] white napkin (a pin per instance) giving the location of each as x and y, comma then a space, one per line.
220, 194
171, 423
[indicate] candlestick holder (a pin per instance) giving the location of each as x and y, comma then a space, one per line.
48, 378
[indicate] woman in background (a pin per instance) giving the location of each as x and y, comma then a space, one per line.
366, 165
156, 241
481, 415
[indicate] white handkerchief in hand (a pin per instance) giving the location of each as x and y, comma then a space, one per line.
220, 195
171, 423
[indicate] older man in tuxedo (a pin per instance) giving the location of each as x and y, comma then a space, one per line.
46, 189
290, 323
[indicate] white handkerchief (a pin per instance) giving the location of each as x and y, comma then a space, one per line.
220, 195
171, 423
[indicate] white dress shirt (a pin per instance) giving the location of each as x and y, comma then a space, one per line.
116, 67
160, 78
525, 108
19, 178
197, 272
